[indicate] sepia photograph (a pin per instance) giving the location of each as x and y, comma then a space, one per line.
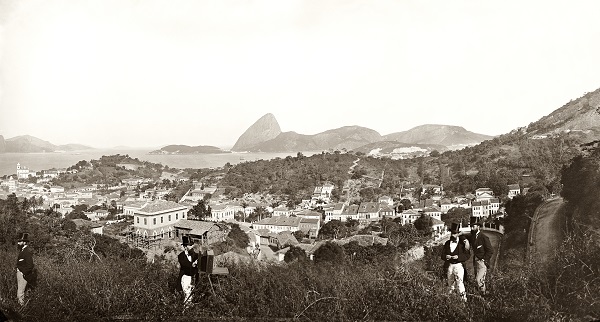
295, 160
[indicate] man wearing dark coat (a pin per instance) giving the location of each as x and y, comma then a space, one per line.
188, 267
25, 267
455, 253
482, 253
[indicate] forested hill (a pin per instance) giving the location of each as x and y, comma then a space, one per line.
509, 159
296, 177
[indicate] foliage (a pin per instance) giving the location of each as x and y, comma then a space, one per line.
456, 215
520, 210
329, 252
239, 237
295, 254
424, 223
200, 211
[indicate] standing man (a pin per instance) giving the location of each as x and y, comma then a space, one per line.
24, 266
482, 253
188, 267
454, 253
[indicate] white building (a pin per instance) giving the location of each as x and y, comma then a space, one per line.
156, 218
23, 172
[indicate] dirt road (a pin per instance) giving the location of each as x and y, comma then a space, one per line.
546, 232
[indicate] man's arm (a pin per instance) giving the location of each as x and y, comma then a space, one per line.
487, 247
25, 262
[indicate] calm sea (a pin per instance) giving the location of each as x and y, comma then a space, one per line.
46, 161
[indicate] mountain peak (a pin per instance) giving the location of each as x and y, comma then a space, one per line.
448, 135
266, 128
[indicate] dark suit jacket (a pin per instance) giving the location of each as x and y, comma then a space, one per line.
185, 266
460, 250
25, 261
481, 246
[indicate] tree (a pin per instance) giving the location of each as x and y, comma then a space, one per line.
329, 252
200, 210
294, 254
456, 215
333, 229
240, 238
299, 235
424, 223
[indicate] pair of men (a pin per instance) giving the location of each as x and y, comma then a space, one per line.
456, 252
188, 268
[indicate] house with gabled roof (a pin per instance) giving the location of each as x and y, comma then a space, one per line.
277, 224
334, 211
485, 208
514, 190
223, 212
348, 212
322, 193
156, 218
202, 232
282, 211
433, 212
386, 210
445, 205
410, 216
368, 211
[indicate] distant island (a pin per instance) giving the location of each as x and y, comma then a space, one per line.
186, 149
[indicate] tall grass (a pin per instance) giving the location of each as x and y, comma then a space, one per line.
80, 290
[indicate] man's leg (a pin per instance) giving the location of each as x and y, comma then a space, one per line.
481, 270
460, 272
21, 285
186, 285
450, 278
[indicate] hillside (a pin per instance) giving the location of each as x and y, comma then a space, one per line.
579, 117
446, 135
28, 144
347, 137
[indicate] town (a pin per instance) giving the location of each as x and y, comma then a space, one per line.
154, 218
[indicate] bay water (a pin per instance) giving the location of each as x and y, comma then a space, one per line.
50, 160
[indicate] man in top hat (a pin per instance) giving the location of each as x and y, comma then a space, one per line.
455, 253
24, 266
482, 253
188, 267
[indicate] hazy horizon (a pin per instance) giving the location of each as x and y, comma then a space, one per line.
153, 73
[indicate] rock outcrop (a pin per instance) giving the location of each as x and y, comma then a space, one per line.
265, 129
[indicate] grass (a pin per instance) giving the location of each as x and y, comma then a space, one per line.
79, 290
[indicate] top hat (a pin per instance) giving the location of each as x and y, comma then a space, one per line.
24, 237
185, 240
474, 221
455, 228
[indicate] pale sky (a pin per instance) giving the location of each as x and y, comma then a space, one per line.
150, 73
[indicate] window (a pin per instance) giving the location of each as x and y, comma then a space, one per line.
161, 219
176, 216
183, 215
154, 221
169, 217
145, 221
138, 220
